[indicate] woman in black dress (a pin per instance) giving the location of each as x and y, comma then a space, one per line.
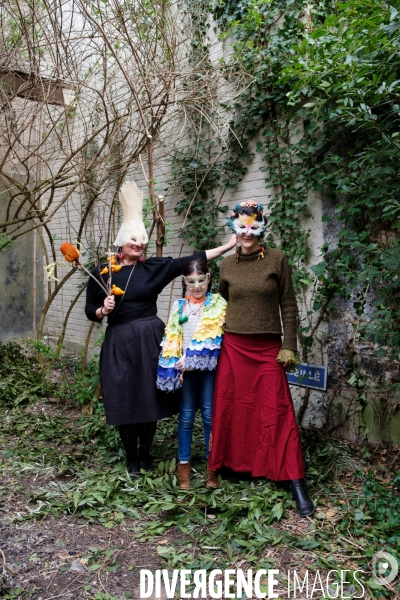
129, 355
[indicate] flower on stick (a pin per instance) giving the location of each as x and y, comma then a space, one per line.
111, 268
71, 255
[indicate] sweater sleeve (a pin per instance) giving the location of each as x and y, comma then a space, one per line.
94, 298
223, 287
288, 306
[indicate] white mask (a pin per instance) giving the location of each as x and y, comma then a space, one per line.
247, 224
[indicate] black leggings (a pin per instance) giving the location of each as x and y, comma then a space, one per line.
133, 433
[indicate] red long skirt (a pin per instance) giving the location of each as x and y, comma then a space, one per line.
254, 426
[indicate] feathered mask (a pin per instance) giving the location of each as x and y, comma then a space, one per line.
242, 223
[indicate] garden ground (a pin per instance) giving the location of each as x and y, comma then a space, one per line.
75, 525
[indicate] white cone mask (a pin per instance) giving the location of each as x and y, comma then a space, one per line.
132, 228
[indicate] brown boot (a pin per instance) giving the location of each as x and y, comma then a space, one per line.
212, 479
183, 472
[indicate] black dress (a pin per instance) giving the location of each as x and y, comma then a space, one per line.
129, 355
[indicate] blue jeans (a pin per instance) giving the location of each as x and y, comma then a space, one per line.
197, 386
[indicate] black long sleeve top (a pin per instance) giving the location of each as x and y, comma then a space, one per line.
146, 280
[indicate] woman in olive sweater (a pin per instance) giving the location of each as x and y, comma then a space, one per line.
254, 427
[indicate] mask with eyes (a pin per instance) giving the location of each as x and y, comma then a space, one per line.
242, 223
196, 282
247, 224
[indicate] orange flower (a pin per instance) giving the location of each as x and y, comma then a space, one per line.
116, 290
104, 271
116, 268
71, 254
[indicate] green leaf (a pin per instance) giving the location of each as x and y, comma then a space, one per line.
112, 568
373, 585
319, 269
277, 511
94, 567
358, 514
76, 497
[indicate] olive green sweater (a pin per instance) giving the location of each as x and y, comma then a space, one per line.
255, 290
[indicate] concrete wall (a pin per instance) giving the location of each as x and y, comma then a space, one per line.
21, 276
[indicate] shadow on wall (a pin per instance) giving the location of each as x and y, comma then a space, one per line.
17, 283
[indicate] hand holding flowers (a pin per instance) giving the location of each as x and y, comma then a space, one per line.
72, 254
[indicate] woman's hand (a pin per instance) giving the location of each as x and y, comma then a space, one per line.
109, 304
288, 359
215, 252
232, 241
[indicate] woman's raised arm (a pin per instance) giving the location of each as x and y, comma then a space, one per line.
215, 252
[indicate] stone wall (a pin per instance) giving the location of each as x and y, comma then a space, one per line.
361, 402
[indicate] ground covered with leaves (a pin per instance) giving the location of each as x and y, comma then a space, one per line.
76, 525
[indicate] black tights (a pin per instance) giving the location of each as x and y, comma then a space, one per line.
137, 432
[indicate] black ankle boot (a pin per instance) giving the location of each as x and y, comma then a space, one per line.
145, 463
134, 467
304, 504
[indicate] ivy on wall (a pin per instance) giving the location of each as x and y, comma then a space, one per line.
195, 167
322, 104
350, 77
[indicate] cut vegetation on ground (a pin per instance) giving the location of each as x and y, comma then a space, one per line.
76, 525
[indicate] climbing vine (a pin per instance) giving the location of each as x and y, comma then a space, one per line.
321, 105
195, 167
